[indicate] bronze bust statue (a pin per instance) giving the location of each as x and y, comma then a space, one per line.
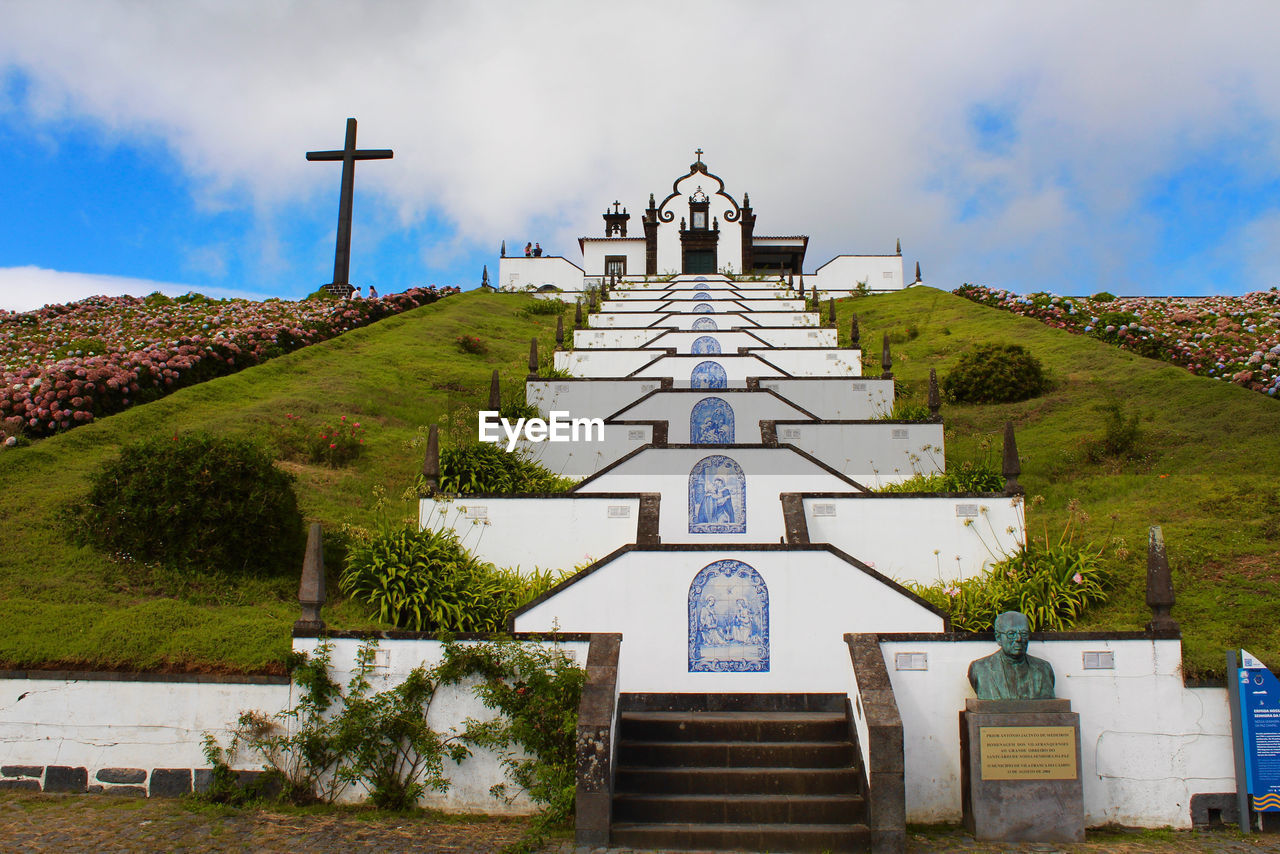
1011, 674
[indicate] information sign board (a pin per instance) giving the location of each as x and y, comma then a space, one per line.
1260, 722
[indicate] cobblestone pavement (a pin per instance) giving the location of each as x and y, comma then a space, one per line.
76, 823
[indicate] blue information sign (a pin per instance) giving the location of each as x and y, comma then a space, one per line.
1260, 718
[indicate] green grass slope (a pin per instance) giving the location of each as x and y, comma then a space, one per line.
1207, 470
71, 606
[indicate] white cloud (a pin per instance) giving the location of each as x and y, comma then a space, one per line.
28, 288
849, 121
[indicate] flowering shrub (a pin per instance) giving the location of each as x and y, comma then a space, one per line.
1233, 339
471, 344
194, 501
65, 365
334, 443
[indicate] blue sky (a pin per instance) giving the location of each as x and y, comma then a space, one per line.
1074, 148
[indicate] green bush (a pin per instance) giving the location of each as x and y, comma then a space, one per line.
544, 307
905, 410
995, 373
1120, 437
195, 502
967, 476
472, 344
484, 467
426, 581
1103, 296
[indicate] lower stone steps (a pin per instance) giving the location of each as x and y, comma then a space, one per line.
743, 837
743, 772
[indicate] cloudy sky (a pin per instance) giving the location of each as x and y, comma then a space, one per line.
1072, 147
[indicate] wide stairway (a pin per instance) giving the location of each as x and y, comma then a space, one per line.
741, 772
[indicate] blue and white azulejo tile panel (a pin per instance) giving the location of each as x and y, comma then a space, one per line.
728, 619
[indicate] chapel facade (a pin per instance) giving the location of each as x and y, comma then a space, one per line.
698, 228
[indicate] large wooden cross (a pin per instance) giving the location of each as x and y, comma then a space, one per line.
348, 155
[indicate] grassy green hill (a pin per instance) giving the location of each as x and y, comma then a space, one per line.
68, 605
1207, 472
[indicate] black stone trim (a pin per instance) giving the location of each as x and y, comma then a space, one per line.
793, 518
170, 782
120, 775
649, 516
886, 776
64, 778
19, 785
136, 676
402, 634
989, 495
597, 713
963, 637
22, 770
667, 216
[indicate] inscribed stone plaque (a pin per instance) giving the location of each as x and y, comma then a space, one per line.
1028, 752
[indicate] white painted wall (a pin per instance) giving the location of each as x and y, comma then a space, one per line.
808, 337
521, 273
604, 363
586, 398
686, 304
670, 320
923, 539
583, 458
590, 339
737, 368
452, 705
675, 407
814, 598
1148, 743
817, 362
536, 533
100, 723
594, 250
835, 399
682, 341
840, 276
769, 473
874, 453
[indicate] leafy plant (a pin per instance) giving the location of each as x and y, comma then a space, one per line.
484, 467
333, 738
905, 410
995, 373
544, 307
1052, 582
1103, 296
194, 501
965, 476
424, 580
537, 690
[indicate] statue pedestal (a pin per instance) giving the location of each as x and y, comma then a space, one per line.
1020, 771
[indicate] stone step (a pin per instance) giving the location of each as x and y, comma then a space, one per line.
743, 837
733, 726
737, 781
736, 754
739, 809
695, 702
